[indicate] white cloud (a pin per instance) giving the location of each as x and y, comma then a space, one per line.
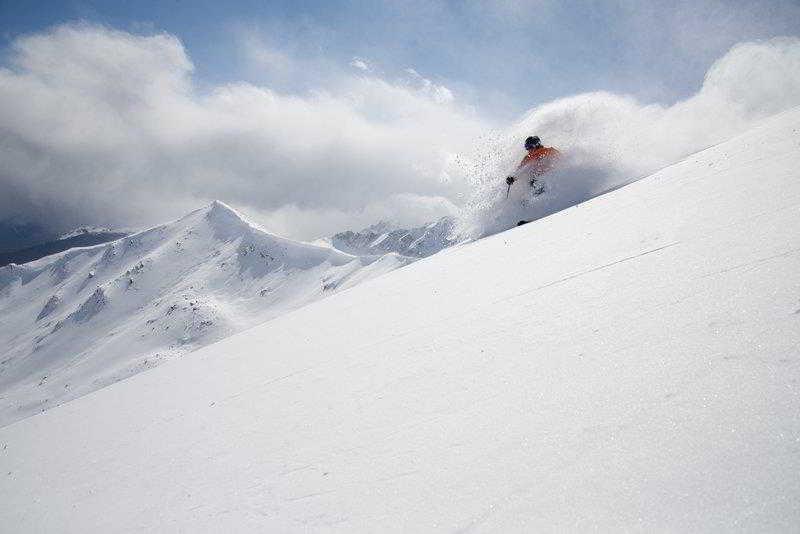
101, 126
439, 93
442, 94
276, 62
360, 64
404, 210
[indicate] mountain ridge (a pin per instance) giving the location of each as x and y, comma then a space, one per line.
87, 317
383, 237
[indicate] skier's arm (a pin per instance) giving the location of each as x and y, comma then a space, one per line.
511, 179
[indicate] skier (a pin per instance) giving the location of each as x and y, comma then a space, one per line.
538, 161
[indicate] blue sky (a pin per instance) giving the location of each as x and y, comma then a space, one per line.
503, 56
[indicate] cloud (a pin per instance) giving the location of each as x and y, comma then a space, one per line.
439, 93
360, 64
99, 126
403, 210
104, 127
276, 62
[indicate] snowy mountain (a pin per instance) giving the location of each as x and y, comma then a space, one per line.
382, 238
88, 230
80, 320
628, 364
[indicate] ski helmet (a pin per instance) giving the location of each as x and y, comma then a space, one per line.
532, 142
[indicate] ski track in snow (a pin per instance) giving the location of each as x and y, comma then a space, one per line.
598, 268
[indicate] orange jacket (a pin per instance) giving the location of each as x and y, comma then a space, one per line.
540, 159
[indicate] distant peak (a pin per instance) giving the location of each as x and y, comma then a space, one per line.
226, 221
220, 212
218, 206
84, 230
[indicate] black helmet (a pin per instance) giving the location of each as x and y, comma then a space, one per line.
532, 142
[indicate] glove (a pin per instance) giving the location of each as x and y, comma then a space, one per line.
510, 180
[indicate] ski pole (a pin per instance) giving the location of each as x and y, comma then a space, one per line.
510, 180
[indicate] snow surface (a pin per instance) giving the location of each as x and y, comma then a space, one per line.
74, 322
630, 363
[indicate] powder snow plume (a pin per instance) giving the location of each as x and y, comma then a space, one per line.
609, 140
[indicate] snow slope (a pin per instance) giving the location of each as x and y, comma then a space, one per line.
77, 321
630, 363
